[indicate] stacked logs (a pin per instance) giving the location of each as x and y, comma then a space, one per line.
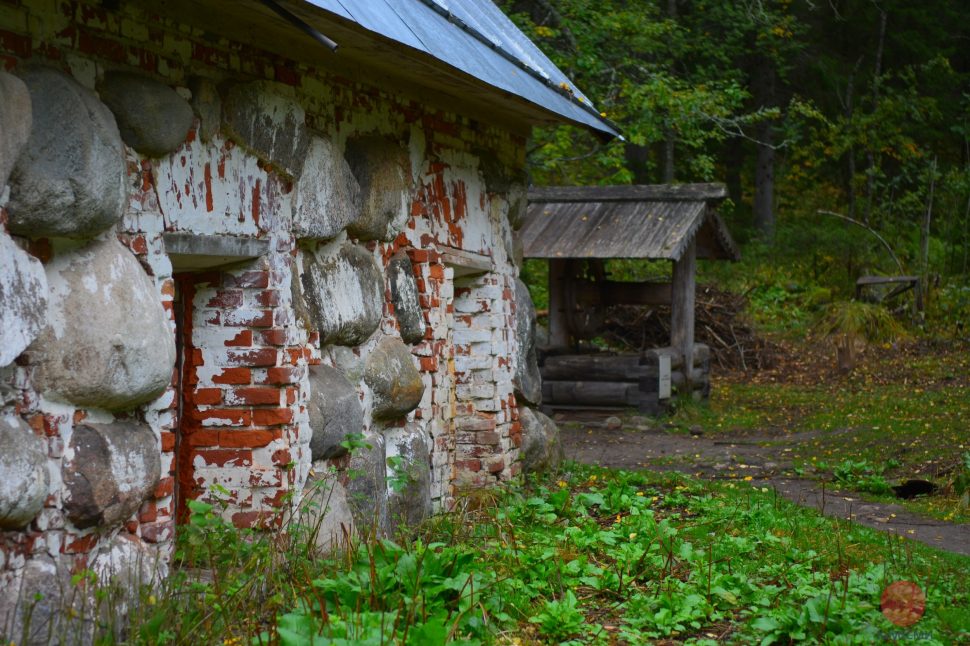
608, 380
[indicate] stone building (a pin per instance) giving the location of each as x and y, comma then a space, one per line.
224, 248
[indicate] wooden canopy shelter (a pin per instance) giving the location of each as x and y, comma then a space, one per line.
571, 226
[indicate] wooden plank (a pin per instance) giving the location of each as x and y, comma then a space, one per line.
884, 280
649, 405
549, 409
697, 378
702, 354
611, 292
592, 393
466, 263
585, 367
905, 283
624, 193
682, 304
558, 332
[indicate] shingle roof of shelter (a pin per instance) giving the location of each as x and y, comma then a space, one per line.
467, 51
652, 222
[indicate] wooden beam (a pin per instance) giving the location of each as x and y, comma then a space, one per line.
702, 353
611, 292
466, 263
593, 393
885, 280
682, 304
625, 193
558, 332
591, 367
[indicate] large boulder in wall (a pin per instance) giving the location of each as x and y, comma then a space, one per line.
107, 343
518, 199
527, 381
327, 197
23, 299
325, 511
207, 106
404, 295
111, 470
70, 179
383, 171
152, 117
409, 469
367, 488
128, 565
34, 603
393, 379
541, 449
345, 295
265, 117
15, 120
24, 478
335, 412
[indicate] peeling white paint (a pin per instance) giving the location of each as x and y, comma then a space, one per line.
218, 188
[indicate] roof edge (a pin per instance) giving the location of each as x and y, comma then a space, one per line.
723, 235
702, 192
611, 129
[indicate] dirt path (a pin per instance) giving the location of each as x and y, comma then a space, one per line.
764, 458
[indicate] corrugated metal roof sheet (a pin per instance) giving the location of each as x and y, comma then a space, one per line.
475, 37
635, 228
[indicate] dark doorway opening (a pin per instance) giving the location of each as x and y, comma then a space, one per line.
186, 364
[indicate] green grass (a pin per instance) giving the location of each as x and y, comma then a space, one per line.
902, 430
596, 556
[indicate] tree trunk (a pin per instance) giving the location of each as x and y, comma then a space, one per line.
850, 180
870, 156
966, 213
669, 137
638, 161
733, 156
924, 244
966, 236
764, 180
764, 177
846, 355
668, 155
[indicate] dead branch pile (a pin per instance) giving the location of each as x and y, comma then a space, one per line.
718, 322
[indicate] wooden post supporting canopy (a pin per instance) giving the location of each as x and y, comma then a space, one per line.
558, 332
682, 307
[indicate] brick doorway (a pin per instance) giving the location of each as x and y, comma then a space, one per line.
237, 386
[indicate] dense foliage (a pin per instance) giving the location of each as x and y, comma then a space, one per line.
595, 556
858, 108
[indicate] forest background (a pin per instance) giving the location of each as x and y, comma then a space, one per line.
804, 109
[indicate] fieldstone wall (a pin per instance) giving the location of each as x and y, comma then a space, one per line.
355, 324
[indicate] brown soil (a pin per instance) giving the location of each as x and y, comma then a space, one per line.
763, 458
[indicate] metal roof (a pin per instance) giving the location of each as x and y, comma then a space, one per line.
651, 222
475, 37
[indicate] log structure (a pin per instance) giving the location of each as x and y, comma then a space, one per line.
577, 229
608, 380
